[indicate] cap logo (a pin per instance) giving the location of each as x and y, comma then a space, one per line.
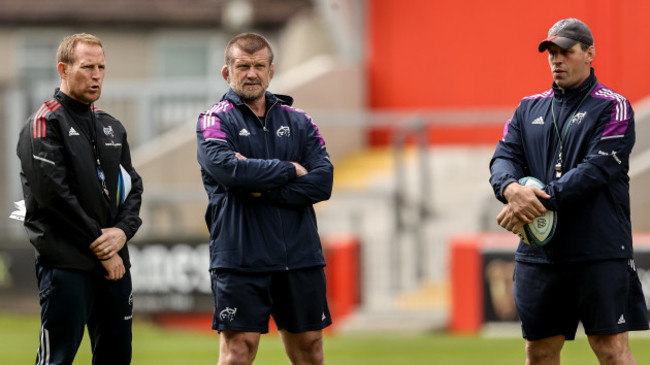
558, 27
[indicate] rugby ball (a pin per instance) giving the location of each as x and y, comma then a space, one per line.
540, 231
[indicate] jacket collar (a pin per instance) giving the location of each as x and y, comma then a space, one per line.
270, 98
69, 103
580, 90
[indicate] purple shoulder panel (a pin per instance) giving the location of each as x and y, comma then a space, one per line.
546, 94
505, 128
210, 122
620, 115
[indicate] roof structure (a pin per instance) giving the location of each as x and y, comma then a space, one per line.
140, 13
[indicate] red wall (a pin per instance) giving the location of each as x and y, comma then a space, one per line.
477, 53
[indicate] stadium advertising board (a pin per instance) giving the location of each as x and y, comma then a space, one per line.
167, 277
498, 300
171, 277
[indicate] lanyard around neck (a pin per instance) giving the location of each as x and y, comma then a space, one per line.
562, 138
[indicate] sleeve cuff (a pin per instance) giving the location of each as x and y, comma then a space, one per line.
127, 231
503, 187
291, 171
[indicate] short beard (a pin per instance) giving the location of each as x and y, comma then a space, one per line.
248, 96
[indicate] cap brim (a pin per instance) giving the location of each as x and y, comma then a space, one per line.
562, 42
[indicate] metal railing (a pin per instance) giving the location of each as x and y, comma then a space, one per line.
393, 217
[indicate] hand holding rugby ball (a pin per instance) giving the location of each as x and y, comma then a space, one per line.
541, 229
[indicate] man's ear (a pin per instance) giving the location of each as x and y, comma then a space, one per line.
272, 71
591, 53
225, 73
61, 68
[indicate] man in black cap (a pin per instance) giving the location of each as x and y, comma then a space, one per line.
576, 138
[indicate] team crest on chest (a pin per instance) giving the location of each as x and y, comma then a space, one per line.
579, 117
283, 131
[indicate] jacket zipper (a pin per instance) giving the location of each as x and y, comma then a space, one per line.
266, 147
92, 140
550, 252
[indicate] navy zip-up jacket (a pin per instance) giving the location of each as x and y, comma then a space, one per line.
591, 197
260, 215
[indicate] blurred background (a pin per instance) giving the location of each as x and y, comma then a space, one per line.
411, 97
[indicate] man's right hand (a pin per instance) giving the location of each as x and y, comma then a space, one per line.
523, 201
114, 268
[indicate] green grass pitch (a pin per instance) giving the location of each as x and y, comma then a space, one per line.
153, 345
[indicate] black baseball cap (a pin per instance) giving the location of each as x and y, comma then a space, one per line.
566, 33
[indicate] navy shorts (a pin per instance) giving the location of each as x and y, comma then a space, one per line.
244, 301
606, 296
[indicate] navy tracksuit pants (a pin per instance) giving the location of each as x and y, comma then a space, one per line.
72, 299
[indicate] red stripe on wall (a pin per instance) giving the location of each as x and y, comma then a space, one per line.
464, 134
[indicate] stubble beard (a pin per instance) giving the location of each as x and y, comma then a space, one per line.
248, 96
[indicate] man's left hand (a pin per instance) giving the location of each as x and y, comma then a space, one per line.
114, 267
109, 243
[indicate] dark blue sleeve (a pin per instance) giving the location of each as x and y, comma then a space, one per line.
314, 187
508, 161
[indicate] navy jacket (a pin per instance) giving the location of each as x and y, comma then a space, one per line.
260, 215
66, 205
591, 197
